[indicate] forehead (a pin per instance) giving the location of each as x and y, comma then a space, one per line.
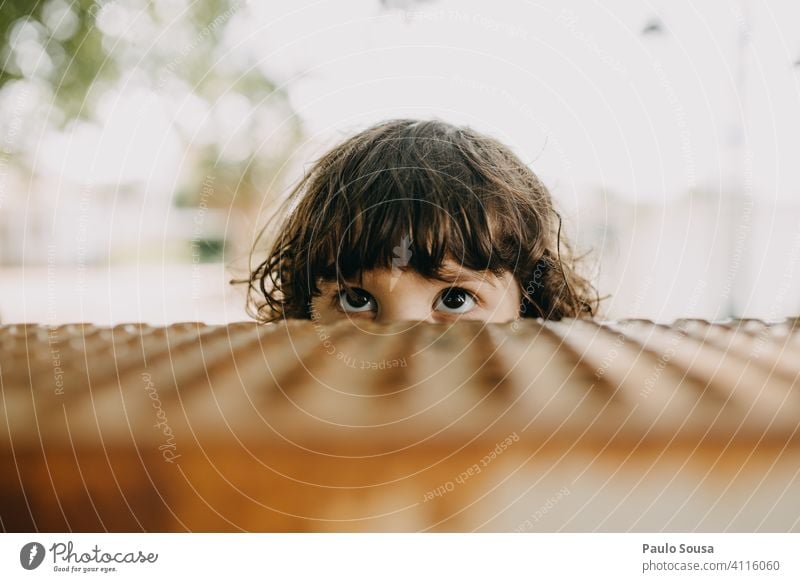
450, 272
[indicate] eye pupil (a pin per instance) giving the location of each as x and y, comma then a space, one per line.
356, 297
454, 298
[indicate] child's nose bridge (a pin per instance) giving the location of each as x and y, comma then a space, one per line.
398, 308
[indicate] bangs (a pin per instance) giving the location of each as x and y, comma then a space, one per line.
415, 218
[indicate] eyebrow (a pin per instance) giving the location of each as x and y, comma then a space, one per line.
449, 275
452, 275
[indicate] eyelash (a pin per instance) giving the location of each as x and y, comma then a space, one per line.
474, 296
336, 301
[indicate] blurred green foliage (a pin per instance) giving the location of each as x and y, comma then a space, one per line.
80, 49
76, 50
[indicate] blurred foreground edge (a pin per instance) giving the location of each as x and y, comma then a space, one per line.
571, 425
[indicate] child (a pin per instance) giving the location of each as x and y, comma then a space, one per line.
419, 220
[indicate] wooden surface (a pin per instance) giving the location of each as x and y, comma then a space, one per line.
533, 426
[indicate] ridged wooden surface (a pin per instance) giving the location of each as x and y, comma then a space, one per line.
615, 426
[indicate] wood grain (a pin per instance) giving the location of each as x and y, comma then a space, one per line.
571, 425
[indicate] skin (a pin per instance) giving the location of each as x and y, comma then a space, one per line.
404, 295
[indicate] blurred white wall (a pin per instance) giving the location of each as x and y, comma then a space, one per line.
668, 132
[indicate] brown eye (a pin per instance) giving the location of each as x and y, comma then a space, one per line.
355, 299
456, 300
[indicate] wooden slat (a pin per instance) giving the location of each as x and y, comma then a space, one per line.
406, 426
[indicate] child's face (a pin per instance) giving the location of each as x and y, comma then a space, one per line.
398, 294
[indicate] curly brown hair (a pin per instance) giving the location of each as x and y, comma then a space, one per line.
457, 192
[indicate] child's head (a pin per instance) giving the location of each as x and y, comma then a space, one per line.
421, 220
